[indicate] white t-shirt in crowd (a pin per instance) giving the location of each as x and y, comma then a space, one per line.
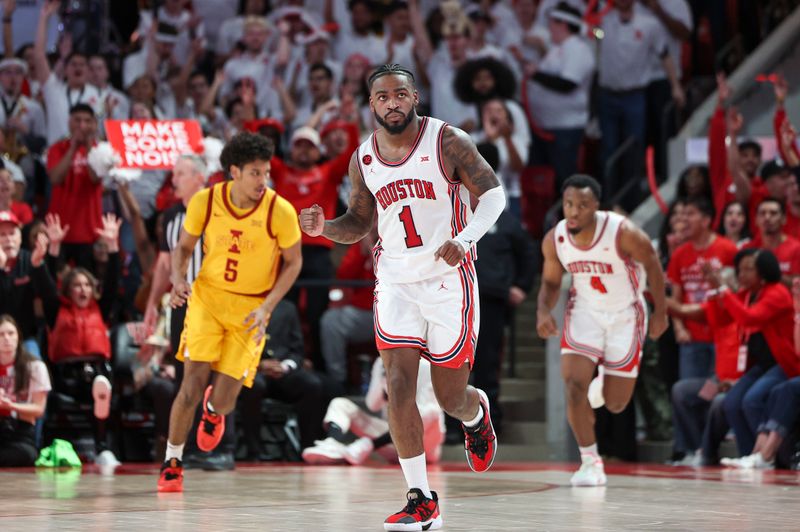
58, 100
214, 14
521, 139
297, 72
627, 49
445, 105
259, 68
573, 60
348, 43
677, 9
181, 22
39, 381
27, 110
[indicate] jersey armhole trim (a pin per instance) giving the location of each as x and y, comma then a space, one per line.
209, 205
269, 216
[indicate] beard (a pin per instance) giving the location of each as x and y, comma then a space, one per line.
396, 129
574, 230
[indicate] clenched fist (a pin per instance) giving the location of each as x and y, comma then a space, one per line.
451, 251
312, 220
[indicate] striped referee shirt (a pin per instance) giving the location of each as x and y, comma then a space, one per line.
173, 221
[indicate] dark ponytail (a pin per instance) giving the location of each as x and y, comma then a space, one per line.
22, 359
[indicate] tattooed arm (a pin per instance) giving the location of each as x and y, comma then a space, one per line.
353, 225
463, 163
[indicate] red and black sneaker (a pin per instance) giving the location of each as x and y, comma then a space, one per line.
212, 427
480, 443
171, 478
420, 513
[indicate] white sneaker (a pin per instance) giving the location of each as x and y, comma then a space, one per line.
357, 452
694, 459
590, 474
596, 399
107, 458
325, 452
101, 392
753, 461
737, 463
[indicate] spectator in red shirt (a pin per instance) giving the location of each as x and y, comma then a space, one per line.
77, 191
351, 322
747, 153
685, 272
304, 182
770, 218
21, 210
765, 315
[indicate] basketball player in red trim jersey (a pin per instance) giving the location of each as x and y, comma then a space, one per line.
418, 174
604, 324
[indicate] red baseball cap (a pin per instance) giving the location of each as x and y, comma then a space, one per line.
9, 217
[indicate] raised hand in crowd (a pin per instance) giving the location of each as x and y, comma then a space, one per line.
723, 89
109, 233
39, 250
781, 88
55, 233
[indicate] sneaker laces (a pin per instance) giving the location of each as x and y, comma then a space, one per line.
413, 507
171, 469
478, 440
209, 426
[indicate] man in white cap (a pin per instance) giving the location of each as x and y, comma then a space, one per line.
559, 92
18, 113
162, 44
60, 96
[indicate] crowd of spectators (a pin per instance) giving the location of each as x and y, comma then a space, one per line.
84, 256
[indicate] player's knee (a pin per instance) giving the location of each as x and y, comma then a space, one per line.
615, 406
577, 389
400, 388
453, 404
191, 393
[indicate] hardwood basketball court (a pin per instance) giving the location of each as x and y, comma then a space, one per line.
513, 496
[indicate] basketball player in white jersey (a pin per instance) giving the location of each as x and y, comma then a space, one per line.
606, 319
418, 173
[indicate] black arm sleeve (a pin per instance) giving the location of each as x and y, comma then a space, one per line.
554, 83
45, 287
524, 258
285, 334
110, 285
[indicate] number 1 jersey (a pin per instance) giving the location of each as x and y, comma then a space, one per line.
603, 279
419, 206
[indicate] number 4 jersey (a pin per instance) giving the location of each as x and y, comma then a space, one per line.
419, 206
603, 279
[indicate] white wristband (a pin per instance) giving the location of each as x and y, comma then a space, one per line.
491, 205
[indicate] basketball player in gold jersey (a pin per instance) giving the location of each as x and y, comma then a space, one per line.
247, 232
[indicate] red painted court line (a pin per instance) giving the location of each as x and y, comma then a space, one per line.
716, 474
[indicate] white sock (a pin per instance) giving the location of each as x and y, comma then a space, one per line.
416, 472
472, 423
589, 454
174, 451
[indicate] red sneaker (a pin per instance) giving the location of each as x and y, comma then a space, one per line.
420, 513
171, 478
480, 443
212, 427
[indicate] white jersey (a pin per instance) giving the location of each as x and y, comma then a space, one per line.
602, 279
419, 206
